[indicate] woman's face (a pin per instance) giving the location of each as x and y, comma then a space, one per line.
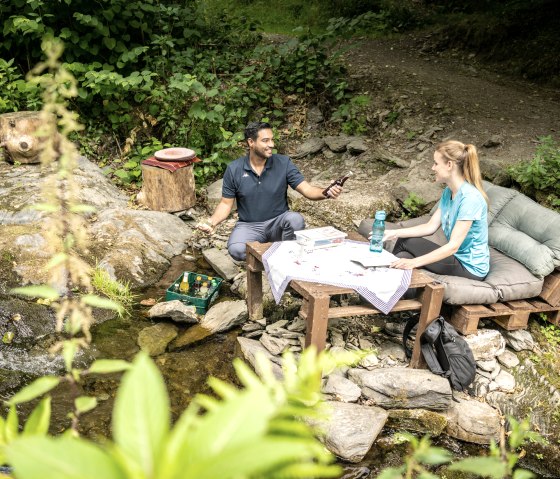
441, 167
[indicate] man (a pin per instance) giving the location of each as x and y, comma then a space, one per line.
259, 183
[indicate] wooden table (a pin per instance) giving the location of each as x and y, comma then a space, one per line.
316, 308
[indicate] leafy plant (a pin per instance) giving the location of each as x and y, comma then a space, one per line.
542, 173
413, 205
353, 115
249, 432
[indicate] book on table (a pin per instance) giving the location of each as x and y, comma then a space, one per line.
320, 237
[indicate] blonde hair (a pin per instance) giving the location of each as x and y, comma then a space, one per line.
466, 159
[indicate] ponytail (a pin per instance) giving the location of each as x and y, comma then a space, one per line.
466, 158
471, 170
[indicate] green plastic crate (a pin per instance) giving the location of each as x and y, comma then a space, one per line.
202, 304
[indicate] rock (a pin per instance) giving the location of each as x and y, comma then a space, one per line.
276, 325
508, 359
251, 349
225, 315
491, 168
175, 310
357, 146
389, 349
337, 339
154, 339
275, 346
239, 287
493, 141
387, 157
309, 147
472, 421
403, 388
214, 195
351, 429
519, 340
342, 389
371, 361
298, 324
337, 144
480, 386
504, 382
18, 138
489, 365
314, 117
221, 262
252, 326
420, 420
486, 344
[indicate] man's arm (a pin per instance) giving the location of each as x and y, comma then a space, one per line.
315, 193
221, 212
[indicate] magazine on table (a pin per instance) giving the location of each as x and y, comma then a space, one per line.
375, 260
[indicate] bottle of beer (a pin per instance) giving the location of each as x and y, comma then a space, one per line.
204, 289
184, 285
339, 182
196, 285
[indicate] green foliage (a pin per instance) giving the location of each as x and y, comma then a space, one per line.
542, 173
251, 432
353, 115
413, 205
114, 290
15, 93
552, 334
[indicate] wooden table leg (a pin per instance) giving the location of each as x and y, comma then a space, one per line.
317, 321
432, 298
254, 288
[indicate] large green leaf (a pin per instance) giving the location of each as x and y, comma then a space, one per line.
483, 466
141, 414
37, 388
45, 292
105, 366
65, 458
39, 420
99, 302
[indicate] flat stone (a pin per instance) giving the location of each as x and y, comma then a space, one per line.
277, 325
403, 388
489, 365
225, 315
472, 421
175, 310
505, 381
251, 348
371, 361
519, 340
337, 144
341, 389
420, 420
357, 146
298, 324
274, 345
508, 359
486, 344
309, 147
221, 262
389, 349
154, 339
351, 429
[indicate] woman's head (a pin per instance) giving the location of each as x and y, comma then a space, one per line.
464, 160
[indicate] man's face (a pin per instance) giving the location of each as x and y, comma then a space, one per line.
263, 145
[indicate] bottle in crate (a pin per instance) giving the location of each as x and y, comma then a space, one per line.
184, 284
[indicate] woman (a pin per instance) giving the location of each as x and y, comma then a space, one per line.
462, 214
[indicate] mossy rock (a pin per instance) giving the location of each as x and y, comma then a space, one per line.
419, 420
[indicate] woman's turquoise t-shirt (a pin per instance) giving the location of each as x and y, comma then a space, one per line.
468, 205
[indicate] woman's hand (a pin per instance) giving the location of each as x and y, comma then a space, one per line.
405, 263
389, 235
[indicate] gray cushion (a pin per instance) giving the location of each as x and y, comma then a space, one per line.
529, 233
508, 280
498, 196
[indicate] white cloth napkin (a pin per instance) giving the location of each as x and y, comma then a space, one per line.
382, 287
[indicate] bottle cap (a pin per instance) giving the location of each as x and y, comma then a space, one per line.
380, 215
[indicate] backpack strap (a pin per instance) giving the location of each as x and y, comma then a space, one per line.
411, 322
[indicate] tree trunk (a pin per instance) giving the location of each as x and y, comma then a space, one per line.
164, 190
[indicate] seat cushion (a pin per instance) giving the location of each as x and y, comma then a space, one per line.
508, 280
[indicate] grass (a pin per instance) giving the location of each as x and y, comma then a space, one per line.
113, 289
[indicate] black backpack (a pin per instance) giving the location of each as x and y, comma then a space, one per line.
446, 353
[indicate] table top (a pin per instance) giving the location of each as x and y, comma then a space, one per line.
419, 278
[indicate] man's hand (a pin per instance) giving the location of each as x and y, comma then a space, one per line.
334, 191
206, 226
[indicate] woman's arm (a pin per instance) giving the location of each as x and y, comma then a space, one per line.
417, 231
458, 235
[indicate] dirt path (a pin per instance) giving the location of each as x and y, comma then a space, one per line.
451, 90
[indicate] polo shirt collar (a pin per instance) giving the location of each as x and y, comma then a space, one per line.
247, 163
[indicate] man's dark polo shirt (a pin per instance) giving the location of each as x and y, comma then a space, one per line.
260, 198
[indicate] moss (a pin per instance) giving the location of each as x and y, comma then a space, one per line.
419, 420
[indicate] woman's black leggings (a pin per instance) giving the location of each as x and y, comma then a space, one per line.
414, 247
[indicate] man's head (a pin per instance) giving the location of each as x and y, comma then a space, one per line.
260, 139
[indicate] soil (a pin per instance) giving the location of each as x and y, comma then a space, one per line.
418, 97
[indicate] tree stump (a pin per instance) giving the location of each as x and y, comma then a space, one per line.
165, 190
